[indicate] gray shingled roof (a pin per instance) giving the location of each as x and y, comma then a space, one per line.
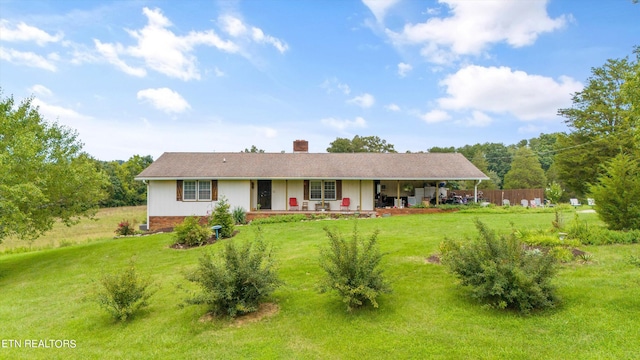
364, 166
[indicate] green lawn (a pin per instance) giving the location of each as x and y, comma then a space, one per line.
427, 316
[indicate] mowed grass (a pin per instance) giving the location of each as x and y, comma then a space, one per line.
43, 296
101, 226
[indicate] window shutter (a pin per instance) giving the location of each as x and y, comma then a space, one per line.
214, 190
306, 189
178, 190
338, 189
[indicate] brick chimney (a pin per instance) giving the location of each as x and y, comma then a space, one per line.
301, 146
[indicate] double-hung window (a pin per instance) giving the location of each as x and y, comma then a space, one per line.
318, 188
329, 190
197, 190
315, 190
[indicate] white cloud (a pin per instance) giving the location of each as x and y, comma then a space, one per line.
403, 69
164, 99
26, 58
24, 32
66, 116
505, 91
392, 107
110, 53
341, 124
234, 26
479, 119
473, 26
379, 8
364, 101
435, 116
333, 84
40, 90
162, 50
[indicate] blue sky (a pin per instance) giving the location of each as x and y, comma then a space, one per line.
145, 77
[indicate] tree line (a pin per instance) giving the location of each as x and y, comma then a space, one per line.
45, 176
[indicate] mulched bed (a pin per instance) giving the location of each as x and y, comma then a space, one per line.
211, 240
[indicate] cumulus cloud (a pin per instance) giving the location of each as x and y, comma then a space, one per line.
404, 69
27, 58
236, 28
473, 26
379, 8
392, 107
479, 119
435, 116
164, 99
24, 32
161, 49
343, 124
364, 101
505, 91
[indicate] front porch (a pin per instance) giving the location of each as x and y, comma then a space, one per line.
252, 215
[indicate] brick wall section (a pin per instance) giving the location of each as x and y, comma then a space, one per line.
165, 222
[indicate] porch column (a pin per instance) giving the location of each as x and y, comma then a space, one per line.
398, 193
286, 194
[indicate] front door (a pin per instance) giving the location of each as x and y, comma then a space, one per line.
264, 194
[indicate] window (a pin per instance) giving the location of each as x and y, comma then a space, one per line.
189, 190
204, 190
330, 190
316, 190
197, 190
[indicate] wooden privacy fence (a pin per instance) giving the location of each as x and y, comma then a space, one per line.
515, 196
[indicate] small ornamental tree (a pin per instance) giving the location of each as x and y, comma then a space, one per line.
501, 272
352, 268
236, 280
222, 216
617, 193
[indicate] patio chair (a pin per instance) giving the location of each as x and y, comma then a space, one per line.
574, 202
533, 204
505, 202
591, 202
345, 204
524, 203
538, 202
293, 204
305, 205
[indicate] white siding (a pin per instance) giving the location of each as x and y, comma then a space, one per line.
237, 193
162, 198
162, 201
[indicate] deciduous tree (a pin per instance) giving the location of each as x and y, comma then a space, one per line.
44, 174
361, 144
603, 122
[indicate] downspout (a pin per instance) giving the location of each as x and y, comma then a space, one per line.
286, 194
475, 191
148, 197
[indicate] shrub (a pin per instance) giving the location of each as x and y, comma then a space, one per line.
122, 295
277, 219
617, 193
237, 280
125, 228
191, 233
352, 268
501, 272
239, 215
554, 192
221, 216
